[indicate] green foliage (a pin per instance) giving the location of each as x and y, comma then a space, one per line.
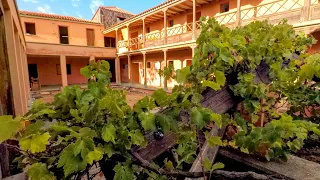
83, 127
10, 127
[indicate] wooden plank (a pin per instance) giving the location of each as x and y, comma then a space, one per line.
218, 101
295, 168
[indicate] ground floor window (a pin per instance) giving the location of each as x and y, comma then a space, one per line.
68, 66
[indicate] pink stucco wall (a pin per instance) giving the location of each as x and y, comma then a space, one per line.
47, 70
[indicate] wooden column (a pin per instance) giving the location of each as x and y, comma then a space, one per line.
118, 74
129, 37
21, 73
63, 67
306, 13
193, 47
117, 46
144, 32
144, 68
129, 68
165, 26
194, 21
92, 58
13, 63
165, 83
238, 20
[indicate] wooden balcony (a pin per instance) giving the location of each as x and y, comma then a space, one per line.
292, 10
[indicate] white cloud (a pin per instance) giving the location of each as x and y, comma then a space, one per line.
45, 9
31, 1
75, 3
95, 4
79, 15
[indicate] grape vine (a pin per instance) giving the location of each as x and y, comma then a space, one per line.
81, 128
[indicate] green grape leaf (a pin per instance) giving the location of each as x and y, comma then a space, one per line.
35, 143
109, 133
86, 72
123, 172
217, 165
182, 75
169, 165
197, 117
137, 137
95, 155
39, 171
207, 164
213, 85
217, 119
147, 121
213, 140
69, 162
9, 127
220, 77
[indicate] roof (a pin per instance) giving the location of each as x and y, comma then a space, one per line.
55, 16
146, 11
116, 9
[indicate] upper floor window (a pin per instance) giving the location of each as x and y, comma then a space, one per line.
148, 64
109, 42
64, 35
30, 28
90, 37
171, 23
148, 30
119, 19
224, 7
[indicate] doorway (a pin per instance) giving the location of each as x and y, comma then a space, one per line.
33, 71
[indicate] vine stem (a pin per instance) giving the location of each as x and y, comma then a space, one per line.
218, 173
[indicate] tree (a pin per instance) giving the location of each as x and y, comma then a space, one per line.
84, 127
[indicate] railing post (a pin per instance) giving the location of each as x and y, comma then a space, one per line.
144, 68
306, 8
255, 12
238, 21
165, 26
194, 21
117, 45
129, 36
144, 32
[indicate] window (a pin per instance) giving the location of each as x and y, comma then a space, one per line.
148, 64
90, 37
119, 19
30, 28
170, 63
224, 7
63, 33
171, 23
109, 42
68, 67
148, 30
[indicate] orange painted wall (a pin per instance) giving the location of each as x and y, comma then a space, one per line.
316, 47
47, 31
47, 70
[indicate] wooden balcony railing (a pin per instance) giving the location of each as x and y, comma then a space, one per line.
293, 10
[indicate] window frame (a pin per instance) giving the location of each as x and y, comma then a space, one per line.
30, 23
63, 37
171, 23
223, 4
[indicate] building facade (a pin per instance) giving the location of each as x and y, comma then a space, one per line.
14, 82
59, 46
166, 34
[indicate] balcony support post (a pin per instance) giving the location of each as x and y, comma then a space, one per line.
118, 75
193, 47
144, 68
129, 69
63, 70
194, 21
165, 26
144, 32
165, 83
238, 20
306, 13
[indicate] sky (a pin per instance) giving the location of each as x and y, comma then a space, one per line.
84, 8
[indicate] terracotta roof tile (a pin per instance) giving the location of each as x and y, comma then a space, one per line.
55, 16
116, 9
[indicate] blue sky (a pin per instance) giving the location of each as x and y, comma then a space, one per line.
84, 8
